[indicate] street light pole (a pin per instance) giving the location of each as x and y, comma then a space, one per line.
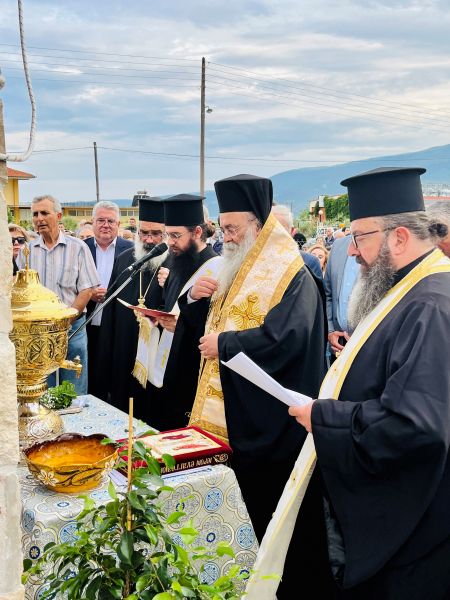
202, 131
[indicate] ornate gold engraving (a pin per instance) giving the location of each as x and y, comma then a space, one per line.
40, 326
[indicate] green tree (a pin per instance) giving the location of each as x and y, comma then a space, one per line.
337, 209
70, 223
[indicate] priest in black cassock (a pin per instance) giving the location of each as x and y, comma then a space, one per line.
172, 370
263, 303
383, 439
119, 332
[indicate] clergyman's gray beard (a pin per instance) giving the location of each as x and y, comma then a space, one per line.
233, 255
373, 283
141, 249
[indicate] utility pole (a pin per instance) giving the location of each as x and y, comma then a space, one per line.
96, 172
202, 131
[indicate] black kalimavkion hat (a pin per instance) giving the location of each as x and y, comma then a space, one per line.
245, 193
184, 210
151, 209
385, 191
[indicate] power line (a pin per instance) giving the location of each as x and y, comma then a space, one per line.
107, 74
42, 64
109, 83
122, 62
104, 53
326, 89
341, 111
241, 158
393, 111
267, 89
262, 83
393, 120
392, 105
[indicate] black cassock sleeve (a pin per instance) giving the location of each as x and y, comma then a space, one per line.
289, 346
383, 446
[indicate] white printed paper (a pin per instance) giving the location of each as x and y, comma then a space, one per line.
244, 366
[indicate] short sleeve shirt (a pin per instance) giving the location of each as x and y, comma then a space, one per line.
67, 269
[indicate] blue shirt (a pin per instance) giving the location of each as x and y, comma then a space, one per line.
351, 271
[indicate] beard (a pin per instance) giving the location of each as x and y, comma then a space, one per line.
233, 257
373, 283
141, 249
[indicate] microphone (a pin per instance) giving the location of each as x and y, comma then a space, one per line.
157, 251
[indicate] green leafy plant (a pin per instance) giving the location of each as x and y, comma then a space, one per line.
60, 396
124, 551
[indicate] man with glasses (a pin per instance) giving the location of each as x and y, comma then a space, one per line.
65, 266
264, 303
119, 331
171, 372
381, 427
105, 247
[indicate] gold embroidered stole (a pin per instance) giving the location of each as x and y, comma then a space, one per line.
258, 286
274, 546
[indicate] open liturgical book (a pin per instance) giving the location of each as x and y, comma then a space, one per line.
147, 312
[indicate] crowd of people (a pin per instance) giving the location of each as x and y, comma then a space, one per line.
373, 522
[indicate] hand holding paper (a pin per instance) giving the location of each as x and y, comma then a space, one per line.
244, 366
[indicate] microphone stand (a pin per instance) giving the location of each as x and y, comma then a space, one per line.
107, 300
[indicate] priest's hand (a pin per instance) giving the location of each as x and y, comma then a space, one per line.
204, 287
209, 345
168, 323
163, 274
302, 415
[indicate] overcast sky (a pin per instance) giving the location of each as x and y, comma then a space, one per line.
291, 84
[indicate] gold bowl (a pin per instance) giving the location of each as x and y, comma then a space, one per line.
71, 462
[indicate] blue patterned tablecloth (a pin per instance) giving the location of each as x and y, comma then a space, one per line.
209, 495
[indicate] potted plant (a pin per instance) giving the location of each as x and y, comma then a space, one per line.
123, 550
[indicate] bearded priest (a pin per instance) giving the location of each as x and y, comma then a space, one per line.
263, 303
167, 356
381, 427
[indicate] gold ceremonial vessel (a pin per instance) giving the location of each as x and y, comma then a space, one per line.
71, 462
40, 335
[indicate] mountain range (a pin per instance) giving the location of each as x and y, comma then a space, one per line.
297, 187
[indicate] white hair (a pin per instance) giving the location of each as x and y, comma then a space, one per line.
56, 203
281, 210
107, 206
440, 212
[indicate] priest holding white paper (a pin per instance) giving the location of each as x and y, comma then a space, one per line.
263, 303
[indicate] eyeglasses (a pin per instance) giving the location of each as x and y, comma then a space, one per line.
354, 236
152, 233
102, 221
231, 230
176, 236
19, 240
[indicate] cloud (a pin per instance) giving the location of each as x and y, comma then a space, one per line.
332, 80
